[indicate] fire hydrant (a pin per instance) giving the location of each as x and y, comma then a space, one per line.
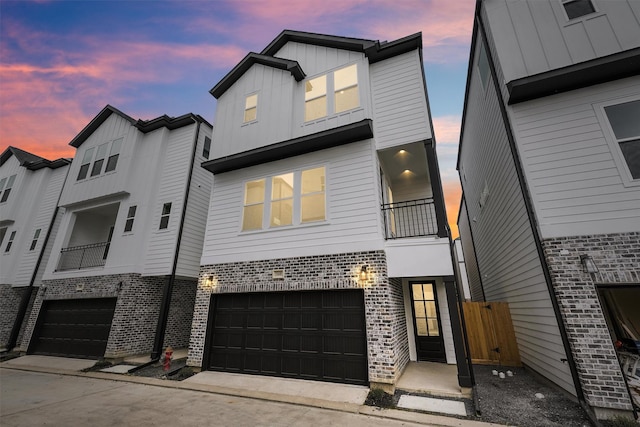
167, 358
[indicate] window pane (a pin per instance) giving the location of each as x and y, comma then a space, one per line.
431, 309
164, 222
5, 195
2, 182
315, 109
132, 211
207, 147
624, 119
252, 217
254, 192
434, 330
111, 163
166, 209
282, 186
281, 212
36, 234
250, 114
115, 147
418, 306
83, 171
631, 152
97, 167
578, 8
421, 327
88, 155
313, 208
251, 101
417, 292
313, 180
315, 88
428, 291
346, 77
346, 99
102, 151
12, 178
483, 65
128, 226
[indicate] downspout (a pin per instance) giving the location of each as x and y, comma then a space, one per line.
26, 297
532, 221
168, 288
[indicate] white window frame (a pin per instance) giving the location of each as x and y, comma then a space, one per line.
131, 216
12, 237
578, 18
164, 215
10, 181
34, 241
246, 108
330, 93
614, 145
297, 200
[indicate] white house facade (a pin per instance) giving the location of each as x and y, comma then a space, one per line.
550, 168
121, 278
326, 254
30, 187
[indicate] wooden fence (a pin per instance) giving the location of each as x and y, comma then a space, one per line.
492, 340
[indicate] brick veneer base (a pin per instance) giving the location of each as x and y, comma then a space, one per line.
387, 346
136, 313
9, 303
618, 259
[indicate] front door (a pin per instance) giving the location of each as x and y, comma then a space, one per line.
426, 322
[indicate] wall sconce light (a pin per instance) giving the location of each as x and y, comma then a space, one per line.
588, 265
363, 273
209, 282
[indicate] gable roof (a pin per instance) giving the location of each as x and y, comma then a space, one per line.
31, 161
144, 126
374, 50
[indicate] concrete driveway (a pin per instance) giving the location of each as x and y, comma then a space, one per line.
38, 398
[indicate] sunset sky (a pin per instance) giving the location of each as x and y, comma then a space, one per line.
61, 62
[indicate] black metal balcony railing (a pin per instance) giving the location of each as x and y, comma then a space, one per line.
85, 256
412, 218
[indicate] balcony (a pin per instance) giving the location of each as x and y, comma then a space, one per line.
85, 256
412, 218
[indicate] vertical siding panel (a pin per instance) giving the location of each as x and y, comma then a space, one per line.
602, 36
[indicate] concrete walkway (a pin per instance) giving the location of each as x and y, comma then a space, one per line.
211, 383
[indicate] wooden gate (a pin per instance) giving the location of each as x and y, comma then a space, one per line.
492, 340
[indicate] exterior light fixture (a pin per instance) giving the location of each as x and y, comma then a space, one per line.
363, 273
588, 265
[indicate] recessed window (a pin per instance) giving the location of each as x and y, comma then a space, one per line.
34, 242
483, 65
99, 161
624, 122
293, 198
113, 155
206, 149
251, 108
164, 218
3, 232
10, 242
7, 189
343, 84
577, 8
253, 205
131, 214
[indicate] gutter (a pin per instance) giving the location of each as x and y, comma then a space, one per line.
167, 290
26, 297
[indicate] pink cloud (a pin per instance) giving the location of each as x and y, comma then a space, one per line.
447, 129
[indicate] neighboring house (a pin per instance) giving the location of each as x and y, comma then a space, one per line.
124, 264
30, 187
461, 270
327, 252
550, 168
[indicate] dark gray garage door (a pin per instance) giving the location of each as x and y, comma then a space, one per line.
73, 328
318, 335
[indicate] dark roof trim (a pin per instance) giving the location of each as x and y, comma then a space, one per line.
31, 161
374, 50
255, 58
144, 126
294, 147
600, 70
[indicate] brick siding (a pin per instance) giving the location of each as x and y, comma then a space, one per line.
9, 303
618, 259
387, 346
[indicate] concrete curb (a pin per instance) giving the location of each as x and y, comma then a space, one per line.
395, 414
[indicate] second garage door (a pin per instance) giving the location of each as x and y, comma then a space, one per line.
73, 328
318, 335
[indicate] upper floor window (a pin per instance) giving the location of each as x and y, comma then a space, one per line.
251, 108
7, 189
131, 214
288, 199
34, 242
3, 232
483, 64
10, 242
112, 147
206, 149
164, 218
578, 8
344, 87
623, 119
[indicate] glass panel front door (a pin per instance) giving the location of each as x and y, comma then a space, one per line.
429, 343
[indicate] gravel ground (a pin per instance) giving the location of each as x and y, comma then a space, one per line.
513, 401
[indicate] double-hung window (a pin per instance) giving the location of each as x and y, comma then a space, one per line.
10, 242
99, 161
7, 189
113, 155
206, 149
344, 89
112, 148
251, 108
164, 218
131, 214
34, 242
624, 120
291, 198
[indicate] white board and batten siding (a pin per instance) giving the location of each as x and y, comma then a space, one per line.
196, 214
400, 112
174, 172
536, 36
352, 210
575, 183
504, 242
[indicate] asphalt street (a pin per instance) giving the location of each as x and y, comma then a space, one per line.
35, 399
